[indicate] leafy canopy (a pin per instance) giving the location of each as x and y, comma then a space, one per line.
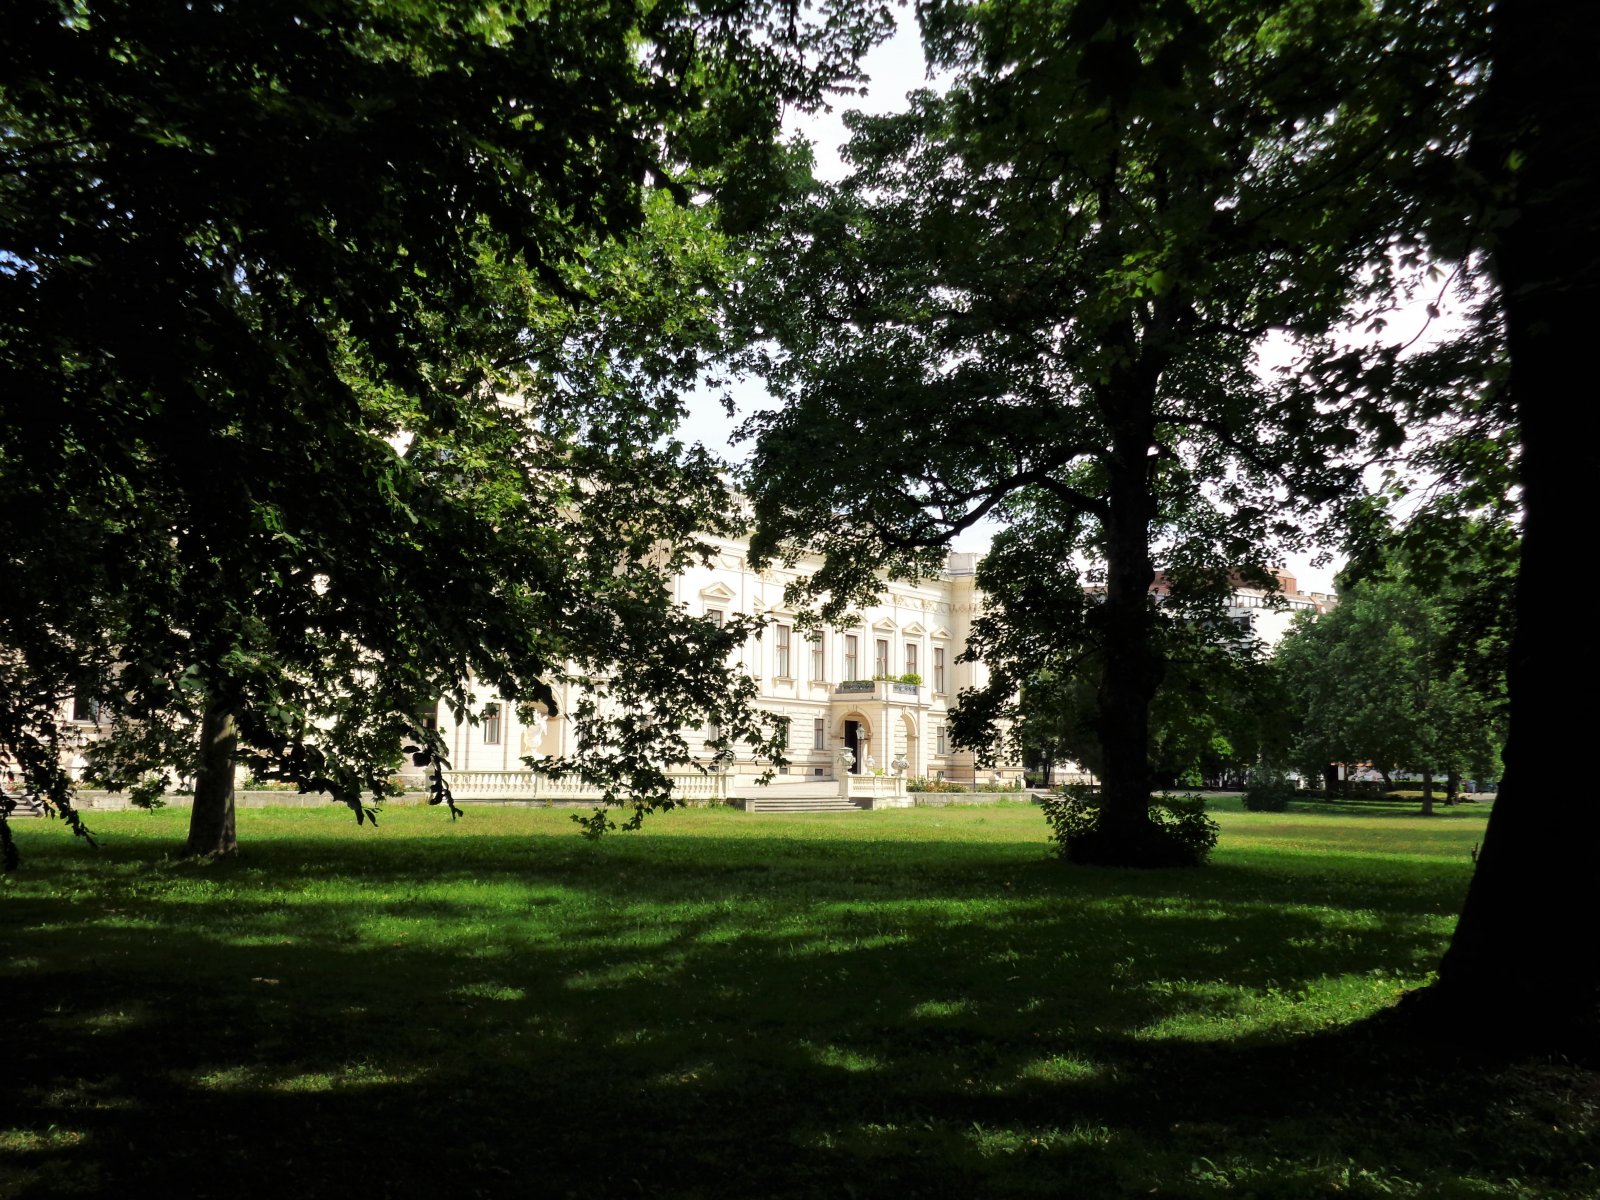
341, 356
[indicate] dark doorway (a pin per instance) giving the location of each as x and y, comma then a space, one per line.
852, 741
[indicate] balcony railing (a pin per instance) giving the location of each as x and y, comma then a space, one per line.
882, 689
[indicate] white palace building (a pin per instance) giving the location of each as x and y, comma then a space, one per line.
881, 689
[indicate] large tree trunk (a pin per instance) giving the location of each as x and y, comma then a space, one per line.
1520, 964
1132, 666
211, 827
1330, 780
1452, 788
1427, 793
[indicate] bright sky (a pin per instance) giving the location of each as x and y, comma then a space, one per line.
893, 69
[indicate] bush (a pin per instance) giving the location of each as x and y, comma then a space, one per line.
147, 793
1179, 834
921, 783
1268, 791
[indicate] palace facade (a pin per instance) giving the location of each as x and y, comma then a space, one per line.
881, 687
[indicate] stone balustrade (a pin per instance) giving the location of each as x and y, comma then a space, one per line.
537, 786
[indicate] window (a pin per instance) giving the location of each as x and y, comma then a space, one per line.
491, 724
941, 741
938, 668
819, 734
782, 664
817, 672
881, 662
911, 658
86, 711
714, 615
781, 729
851, 650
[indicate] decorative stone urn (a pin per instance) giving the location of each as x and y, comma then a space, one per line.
844, 758
900, 764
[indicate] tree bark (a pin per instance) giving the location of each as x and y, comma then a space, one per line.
1518, 955
1427, 793
211, 821
1132, 667
1452, 788
1330, 779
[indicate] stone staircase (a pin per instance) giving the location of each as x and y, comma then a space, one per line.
20, 805
801, 796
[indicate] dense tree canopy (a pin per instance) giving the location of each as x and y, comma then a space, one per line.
340, 353
1039, 295
1408, 671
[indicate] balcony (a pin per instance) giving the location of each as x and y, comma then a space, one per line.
878, 689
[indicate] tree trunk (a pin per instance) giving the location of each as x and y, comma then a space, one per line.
1388, 784
211, 826
1132, 667
1518, 957
1452, 789
1330, 779
1427, 793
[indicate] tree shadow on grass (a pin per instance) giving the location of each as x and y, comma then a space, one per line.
708, 1020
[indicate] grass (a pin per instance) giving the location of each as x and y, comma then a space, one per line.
895, 1004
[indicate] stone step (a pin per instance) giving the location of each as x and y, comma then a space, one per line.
820, 790
22, 806
791, 804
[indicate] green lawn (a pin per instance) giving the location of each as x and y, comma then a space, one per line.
896, 1004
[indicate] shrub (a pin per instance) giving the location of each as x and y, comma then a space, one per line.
148, 792
1179, 834
922, 783
1268, 791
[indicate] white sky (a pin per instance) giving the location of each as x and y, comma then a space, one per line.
893, 69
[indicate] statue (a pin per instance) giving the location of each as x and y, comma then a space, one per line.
533, 732
845, 758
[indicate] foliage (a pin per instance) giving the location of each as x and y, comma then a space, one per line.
342, 356
921, 783
1179, 832
1216, 706
1268, 791
1409, 670
1037, 300
148, 793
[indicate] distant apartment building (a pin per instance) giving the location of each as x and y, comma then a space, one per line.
1265, 613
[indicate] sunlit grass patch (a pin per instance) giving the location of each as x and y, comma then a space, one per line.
1061, 1068
936, 1009
842, 1058
32, 1141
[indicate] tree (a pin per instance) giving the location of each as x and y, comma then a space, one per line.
1038, 298
1532, 209
1042, 679
341, 356
1392, 676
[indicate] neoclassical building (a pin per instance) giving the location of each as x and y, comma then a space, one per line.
881, 687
